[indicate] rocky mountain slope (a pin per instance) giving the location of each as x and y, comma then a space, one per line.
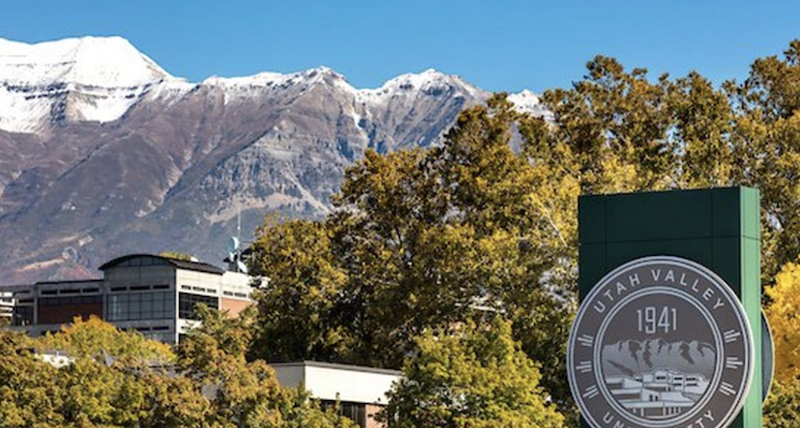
102, 152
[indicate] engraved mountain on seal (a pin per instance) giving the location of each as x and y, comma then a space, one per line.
630, 357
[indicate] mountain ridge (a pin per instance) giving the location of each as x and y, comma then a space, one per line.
111, 68
89, 172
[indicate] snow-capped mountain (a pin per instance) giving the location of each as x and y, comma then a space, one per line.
528, 102
103, 152
87, 79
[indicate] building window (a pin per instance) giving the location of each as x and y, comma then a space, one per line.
187, 304
356, 412
141, 306
22, 315
161, 337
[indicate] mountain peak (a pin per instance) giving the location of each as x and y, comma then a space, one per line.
272, 80
87, 61
427, 82
71, 80
418, 81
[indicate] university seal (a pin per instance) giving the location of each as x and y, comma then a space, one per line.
660, 342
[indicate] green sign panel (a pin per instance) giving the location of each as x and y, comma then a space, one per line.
669, 330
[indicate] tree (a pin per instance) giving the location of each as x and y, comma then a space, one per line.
782, 313
475, 375
783, 298
28, 395
243, 394
213, 387
612, 129
783, 404
94, 337
430, 238
766, 135
296, 313
420, 239
90, 392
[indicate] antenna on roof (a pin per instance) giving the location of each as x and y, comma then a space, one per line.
234, 247
239, 223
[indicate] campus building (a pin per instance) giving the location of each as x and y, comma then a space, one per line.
660, 394
6, 305
157, 296
153, 295
360, 391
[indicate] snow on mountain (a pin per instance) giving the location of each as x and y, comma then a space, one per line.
110, 62
276, 80
99, 78
428, 82
79, 79
528, 102
238, 88
109, 153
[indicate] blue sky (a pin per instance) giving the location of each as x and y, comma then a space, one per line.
498, 45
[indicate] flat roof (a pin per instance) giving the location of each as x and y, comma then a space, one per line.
71, 281
338, 366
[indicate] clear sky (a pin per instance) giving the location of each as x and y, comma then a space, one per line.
498, 45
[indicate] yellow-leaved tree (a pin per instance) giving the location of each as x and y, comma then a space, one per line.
783, 314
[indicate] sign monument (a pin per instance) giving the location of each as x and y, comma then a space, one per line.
669, 329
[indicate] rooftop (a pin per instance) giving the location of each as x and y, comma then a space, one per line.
139, 259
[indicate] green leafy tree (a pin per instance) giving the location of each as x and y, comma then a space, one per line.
612, 129
767, 136
243, 394
475, 375
95, 337
88, 392
28, 395
783, 404
297, 312
427, 238
214, 385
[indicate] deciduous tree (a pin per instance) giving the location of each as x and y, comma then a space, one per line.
474, 375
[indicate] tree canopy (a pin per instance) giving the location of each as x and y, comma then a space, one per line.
486, 222
213, 386
94, 337
430, 255
470, 376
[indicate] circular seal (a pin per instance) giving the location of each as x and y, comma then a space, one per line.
660, 342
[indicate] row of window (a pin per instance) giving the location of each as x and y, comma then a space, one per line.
142, 261
187, 304
70, 291
132, 306
201, 289
74, 300
141, 306
232, 294
140, 288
